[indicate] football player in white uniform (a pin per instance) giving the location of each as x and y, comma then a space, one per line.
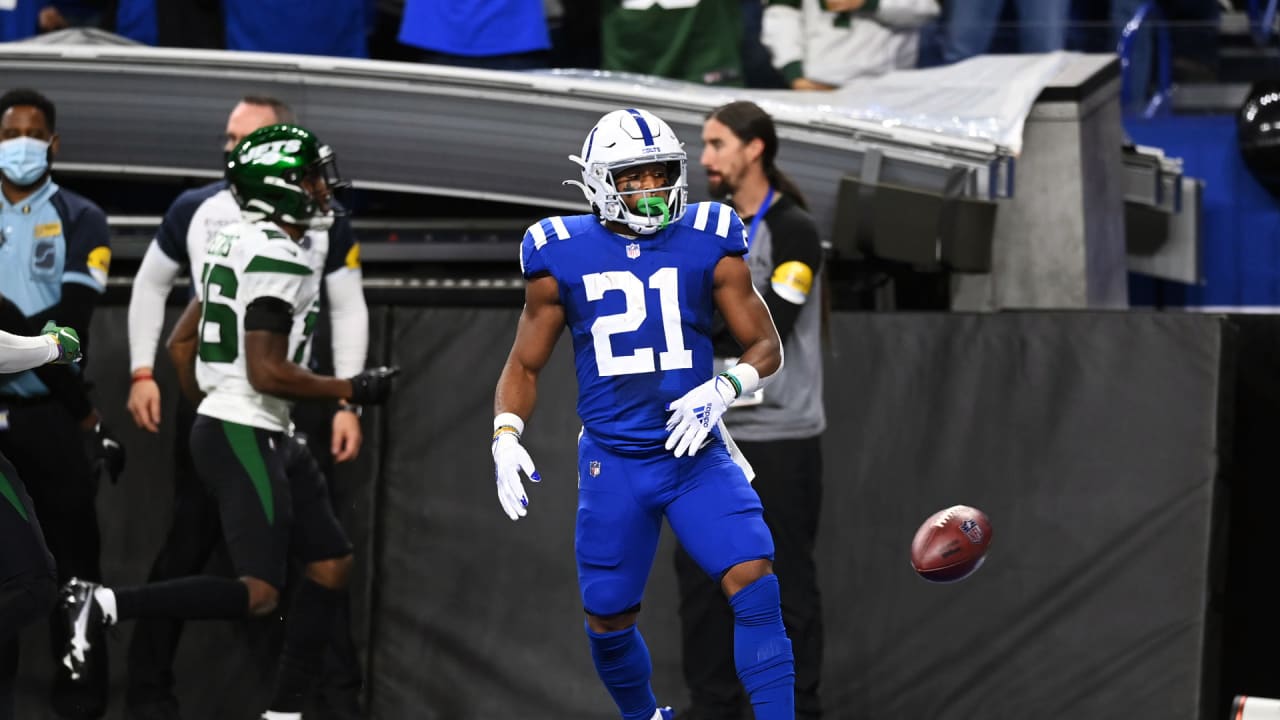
258, 295
180, 242
28, 582
179, 245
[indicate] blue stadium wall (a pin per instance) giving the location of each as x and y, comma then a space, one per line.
1241, 224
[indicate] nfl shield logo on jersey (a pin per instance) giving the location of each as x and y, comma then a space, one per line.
593, 468
633, 251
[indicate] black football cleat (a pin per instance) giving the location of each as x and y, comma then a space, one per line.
85, 626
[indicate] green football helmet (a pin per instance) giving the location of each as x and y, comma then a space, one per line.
267, 171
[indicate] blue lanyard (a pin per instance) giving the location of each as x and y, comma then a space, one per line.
755, 221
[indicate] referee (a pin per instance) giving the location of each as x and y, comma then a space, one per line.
778, 429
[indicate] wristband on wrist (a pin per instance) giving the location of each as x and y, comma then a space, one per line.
139, 377
737, 386
351, 408
508, 423
745, 378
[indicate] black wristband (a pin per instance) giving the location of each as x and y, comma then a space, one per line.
360, 391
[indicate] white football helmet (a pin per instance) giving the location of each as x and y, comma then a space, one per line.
622, 139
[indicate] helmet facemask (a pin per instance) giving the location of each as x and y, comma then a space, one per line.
657, 208
320, 209
616, 144
270, 183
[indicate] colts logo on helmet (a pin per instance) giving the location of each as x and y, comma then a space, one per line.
270, 153
971, 530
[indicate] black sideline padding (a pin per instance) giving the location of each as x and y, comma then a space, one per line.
1090, 439
927, 230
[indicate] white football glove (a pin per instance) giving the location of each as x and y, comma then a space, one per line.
697, 412
509, 459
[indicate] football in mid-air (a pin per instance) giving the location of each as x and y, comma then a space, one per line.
951, 544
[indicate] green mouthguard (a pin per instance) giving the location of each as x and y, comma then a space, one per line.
654, 206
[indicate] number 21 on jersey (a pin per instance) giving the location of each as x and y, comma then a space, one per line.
666, 282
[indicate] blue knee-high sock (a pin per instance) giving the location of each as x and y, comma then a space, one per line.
761, 650
622, 661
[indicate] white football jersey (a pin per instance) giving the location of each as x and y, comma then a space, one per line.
244, 262
219, 211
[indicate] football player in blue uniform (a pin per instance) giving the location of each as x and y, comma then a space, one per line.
637, 283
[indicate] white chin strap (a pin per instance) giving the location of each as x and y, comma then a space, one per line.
643, 229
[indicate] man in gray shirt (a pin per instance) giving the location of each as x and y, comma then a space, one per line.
779, 428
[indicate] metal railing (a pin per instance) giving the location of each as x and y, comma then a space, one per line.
1134, 75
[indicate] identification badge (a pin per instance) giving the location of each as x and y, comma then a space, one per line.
53, 229
751, 398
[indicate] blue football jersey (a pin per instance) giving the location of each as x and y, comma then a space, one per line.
639, 310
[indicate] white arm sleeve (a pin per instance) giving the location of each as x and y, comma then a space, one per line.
782, 32
349, 321
18, 353
151, 286
907, 13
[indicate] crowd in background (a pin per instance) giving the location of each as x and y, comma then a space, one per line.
801, 44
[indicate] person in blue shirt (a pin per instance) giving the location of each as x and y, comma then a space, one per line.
54, 259
492, 34
60, 14
637, 283
967, 28
21, 20
304, 27
133, 19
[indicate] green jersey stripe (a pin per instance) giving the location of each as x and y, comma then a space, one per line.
262, 263
6, 489
244, 443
